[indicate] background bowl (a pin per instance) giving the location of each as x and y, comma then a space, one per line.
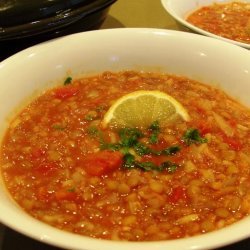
41, 66
25, 18
180, 9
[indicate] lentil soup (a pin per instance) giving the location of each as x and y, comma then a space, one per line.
229, 20
182, 179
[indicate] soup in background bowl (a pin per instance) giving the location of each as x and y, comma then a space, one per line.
125, 55
210, 18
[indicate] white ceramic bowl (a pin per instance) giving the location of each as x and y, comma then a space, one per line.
180, 9
205, 59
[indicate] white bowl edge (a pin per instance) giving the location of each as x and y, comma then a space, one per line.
185, 60
180, 9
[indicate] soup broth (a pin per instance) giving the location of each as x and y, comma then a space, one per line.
186, 178
230, 20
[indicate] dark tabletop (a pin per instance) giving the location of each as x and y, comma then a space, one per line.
11, 240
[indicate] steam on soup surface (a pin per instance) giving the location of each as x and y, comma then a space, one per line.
162, 182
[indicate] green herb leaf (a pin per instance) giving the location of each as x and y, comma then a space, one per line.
129, 136
169, 166
129, 139
155, 128
147, 166
193, 136
171, 150
128, 161
142, 149
68, 80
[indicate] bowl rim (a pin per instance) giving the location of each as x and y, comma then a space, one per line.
168, 6
53, 236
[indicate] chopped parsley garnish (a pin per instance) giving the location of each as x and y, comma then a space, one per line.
130, 141
68, 80
147, 166
169, 166
171, 150
129, 136
192, 135
129, 162
142, 149
155, 128
132, 144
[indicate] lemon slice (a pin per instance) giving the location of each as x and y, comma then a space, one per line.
141, 108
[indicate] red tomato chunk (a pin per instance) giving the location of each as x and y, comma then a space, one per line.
65, 92
102, 162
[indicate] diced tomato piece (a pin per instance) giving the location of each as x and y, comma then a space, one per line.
233, 123
233, 142
43, 194
37, 153
178, 193
198, 108
66, 92
204, 127
46, 169
102, 162
65, 195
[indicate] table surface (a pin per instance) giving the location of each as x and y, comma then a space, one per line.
123, 13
